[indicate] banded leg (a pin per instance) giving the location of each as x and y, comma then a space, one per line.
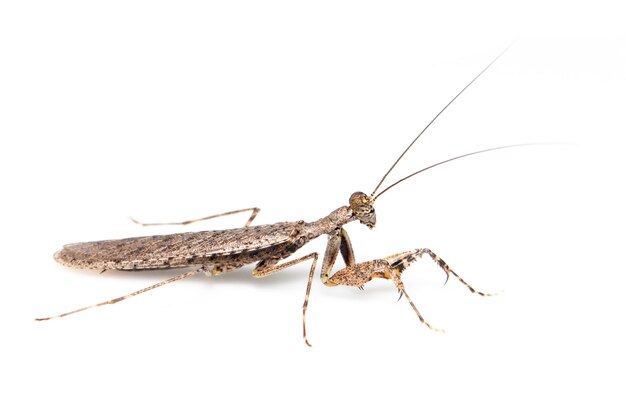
126, 297
401, 261
255, 211
400, 287
265, 268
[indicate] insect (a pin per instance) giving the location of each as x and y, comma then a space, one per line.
220, 251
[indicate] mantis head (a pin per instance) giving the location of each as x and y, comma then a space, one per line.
362, 207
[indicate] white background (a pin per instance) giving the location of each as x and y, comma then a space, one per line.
174, 110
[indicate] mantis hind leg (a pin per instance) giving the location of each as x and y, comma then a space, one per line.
254, 210
126, 297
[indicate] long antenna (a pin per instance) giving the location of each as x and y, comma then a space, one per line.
452, 159
435, 118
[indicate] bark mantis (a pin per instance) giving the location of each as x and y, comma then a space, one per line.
220, 251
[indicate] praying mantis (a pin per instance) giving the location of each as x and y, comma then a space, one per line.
219, 251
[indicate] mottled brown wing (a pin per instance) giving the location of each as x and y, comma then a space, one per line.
175, 250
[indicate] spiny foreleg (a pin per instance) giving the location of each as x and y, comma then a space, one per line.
399, 262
